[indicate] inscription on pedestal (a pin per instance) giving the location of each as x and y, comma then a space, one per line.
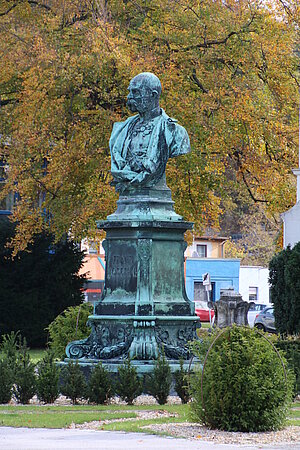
121, 267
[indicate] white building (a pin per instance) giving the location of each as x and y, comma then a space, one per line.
291, 218
291, 226
254, 284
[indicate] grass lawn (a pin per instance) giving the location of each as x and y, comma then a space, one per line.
63, 416
294, 414
37, 354
205, 325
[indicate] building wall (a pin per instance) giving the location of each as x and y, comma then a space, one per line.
291, 229
214, 248
255, 276
93, 268
224, 274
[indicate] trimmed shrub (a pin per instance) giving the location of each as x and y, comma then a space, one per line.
244, 385
100, 386
129, 385
6, 381
159, 382
48, 378
25, 378
70, 325
73, 382
181, 377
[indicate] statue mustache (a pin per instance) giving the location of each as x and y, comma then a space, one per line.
130, 101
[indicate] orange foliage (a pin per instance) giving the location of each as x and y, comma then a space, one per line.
229, 75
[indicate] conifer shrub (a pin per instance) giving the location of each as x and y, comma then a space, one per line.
159, 382
181, 377
10, 344
48, 378
6, 381
40, 283
100, 386
70, 325
25, 379
129, 385
284, 281
244, 384
73, 382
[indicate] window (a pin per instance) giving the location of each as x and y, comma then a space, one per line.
200, 294
201, 250
253, 294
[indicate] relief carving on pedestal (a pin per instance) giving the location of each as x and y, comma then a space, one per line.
105, 342
144, 255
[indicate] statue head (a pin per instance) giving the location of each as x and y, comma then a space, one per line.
144, 93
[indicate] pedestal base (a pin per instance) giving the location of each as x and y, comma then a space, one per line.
144, 309
140, 337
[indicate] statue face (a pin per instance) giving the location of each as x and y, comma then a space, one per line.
140, 98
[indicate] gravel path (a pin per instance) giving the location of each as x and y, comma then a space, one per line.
194, 431
289, 435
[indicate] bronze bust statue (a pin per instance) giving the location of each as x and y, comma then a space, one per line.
141, 145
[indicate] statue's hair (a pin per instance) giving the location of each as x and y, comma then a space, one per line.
149, 80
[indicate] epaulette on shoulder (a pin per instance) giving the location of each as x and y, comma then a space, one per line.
172, 120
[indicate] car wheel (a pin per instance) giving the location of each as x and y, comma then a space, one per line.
260, 326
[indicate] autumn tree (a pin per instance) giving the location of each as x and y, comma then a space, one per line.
229, 75
258, 238
236, 68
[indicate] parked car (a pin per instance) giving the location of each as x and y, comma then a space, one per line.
265, 320
202, 311
253, 311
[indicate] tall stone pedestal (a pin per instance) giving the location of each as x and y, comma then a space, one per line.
144, 307
230, 309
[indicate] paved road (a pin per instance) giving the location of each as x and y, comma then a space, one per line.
45, 439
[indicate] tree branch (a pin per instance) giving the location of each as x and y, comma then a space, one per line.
189, 191
7, 102
210, 43
9, 9
239, 165
41, 5
295, 79
256, 200
286, 8
54, 194
76, 19
198, 82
